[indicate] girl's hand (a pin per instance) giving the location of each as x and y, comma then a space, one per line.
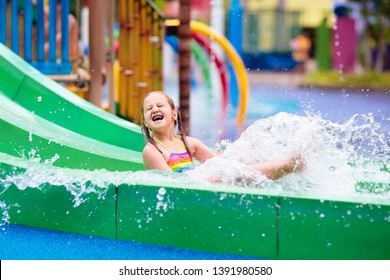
296, 163
214, 180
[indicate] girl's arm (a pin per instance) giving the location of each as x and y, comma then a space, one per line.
198, 150
276, 170
153, 159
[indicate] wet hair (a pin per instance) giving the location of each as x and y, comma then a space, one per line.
177, 123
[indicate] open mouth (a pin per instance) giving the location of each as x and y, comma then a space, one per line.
157, 118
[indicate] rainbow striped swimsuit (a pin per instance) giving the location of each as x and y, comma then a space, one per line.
178, 162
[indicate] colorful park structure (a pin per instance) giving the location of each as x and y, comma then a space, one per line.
142, 19
260, 50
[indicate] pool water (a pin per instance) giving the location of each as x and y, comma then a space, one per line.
336, 105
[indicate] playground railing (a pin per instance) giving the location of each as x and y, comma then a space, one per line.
22, 29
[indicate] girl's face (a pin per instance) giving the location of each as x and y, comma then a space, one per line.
158, 114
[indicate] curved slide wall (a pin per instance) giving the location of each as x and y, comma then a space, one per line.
37, 93
26, 135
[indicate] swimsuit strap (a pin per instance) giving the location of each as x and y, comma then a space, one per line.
184, 145
166, 148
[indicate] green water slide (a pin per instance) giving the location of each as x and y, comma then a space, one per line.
39, 94
46, 130
26, 135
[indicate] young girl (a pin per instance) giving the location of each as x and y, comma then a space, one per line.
169, 152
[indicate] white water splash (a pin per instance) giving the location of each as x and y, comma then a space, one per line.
79, 183
5, 218
337, 155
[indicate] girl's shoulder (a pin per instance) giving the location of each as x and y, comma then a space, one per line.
194, 144
192, 139
149, 148
198, 149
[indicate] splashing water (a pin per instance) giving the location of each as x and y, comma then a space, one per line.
5, 218
80, 183
337, 157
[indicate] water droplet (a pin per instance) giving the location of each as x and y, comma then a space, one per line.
162, 191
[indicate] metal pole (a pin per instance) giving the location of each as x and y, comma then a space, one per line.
110, 72
184, 33
96, 50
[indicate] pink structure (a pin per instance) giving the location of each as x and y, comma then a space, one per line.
344, 45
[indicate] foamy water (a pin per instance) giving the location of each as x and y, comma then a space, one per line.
337, 157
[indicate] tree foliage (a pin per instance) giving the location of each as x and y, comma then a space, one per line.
376, 34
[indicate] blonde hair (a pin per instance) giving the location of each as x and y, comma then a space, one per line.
177, 123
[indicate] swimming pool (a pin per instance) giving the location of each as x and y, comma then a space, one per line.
337, 105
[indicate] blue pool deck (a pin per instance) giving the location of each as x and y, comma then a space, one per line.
19, 242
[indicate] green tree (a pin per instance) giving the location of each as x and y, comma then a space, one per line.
376, 34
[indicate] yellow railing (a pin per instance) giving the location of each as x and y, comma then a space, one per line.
141, 37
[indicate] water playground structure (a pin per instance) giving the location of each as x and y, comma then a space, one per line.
68, 165
200, 34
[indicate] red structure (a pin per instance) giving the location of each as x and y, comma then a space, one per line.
344, 45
